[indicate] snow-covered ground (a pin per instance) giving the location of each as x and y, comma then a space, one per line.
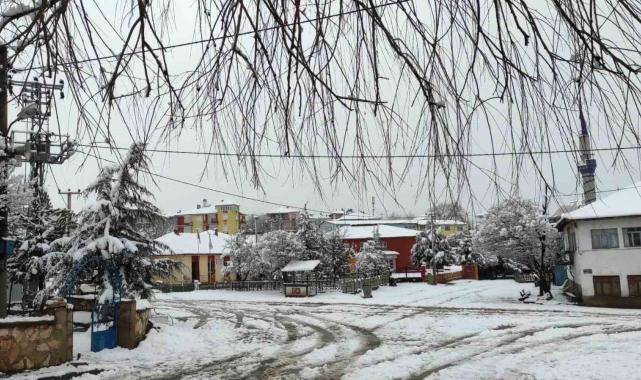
463, 330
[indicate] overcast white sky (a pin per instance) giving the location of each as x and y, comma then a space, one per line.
287, 183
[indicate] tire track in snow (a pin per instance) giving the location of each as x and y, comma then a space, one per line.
513, 339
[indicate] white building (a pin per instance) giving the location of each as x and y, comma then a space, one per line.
603, 242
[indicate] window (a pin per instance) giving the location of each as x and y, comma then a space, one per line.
572, 241
187, 229
187, 219
447, 228
634, 285
632, 237
225, 208
605, 239
607, 286
211, 266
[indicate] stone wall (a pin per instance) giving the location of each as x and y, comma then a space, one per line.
38, 343
132, 324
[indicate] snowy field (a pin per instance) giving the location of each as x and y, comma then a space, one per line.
463, 330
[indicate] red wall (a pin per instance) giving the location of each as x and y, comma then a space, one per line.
402, 245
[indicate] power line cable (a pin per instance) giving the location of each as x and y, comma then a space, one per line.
209, 188
296, 207
450, 155
249, 32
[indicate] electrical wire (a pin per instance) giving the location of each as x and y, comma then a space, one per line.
209, 188
451, 155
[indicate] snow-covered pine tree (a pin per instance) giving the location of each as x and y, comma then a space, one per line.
107, 230
423, 252
335, 258
42, 225
311, 236
276, 249
370, 259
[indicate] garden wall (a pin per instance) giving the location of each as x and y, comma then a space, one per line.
133, 317
31, 343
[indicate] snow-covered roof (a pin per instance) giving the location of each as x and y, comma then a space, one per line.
187, 243
356, 215
197, 211
565, 209
441, 222
283, 210
300, 266
385, 231
390, 253
365, 222
226, 202
625, 202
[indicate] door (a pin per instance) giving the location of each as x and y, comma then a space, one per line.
560, 275
211, 268
195, 272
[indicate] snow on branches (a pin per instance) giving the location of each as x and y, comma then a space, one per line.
265, 259
371, 258
517, 230
424, 251
107, 229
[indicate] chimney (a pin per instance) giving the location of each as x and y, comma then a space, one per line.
198, 207
205, 203
216, 231
176, 231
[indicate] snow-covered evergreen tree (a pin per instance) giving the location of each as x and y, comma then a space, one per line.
424, 253
370, 259
311, 237
107, 230
335, 258
42, 225
276, 249
516, 230
461, 247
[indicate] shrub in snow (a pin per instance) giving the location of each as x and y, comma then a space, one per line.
107, 229
517, 231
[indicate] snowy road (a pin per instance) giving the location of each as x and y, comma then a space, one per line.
413, 332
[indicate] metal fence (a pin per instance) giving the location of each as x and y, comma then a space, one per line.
524, 277
353, 285
350, 284
244, 285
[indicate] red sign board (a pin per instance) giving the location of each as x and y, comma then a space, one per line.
296, 291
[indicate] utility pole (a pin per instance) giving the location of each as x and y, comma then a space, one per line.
69, 193
4, 211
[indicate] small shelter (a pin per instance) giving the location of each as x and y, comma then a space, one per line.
297, 276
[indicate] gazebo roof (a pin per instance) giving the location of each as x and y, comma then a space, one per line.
300, 266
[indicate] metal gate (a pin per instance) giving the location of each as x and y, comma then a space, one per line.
560, 275
104, 313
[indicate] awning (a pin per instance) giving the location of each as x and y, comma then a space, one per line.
300, 266
390, 253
